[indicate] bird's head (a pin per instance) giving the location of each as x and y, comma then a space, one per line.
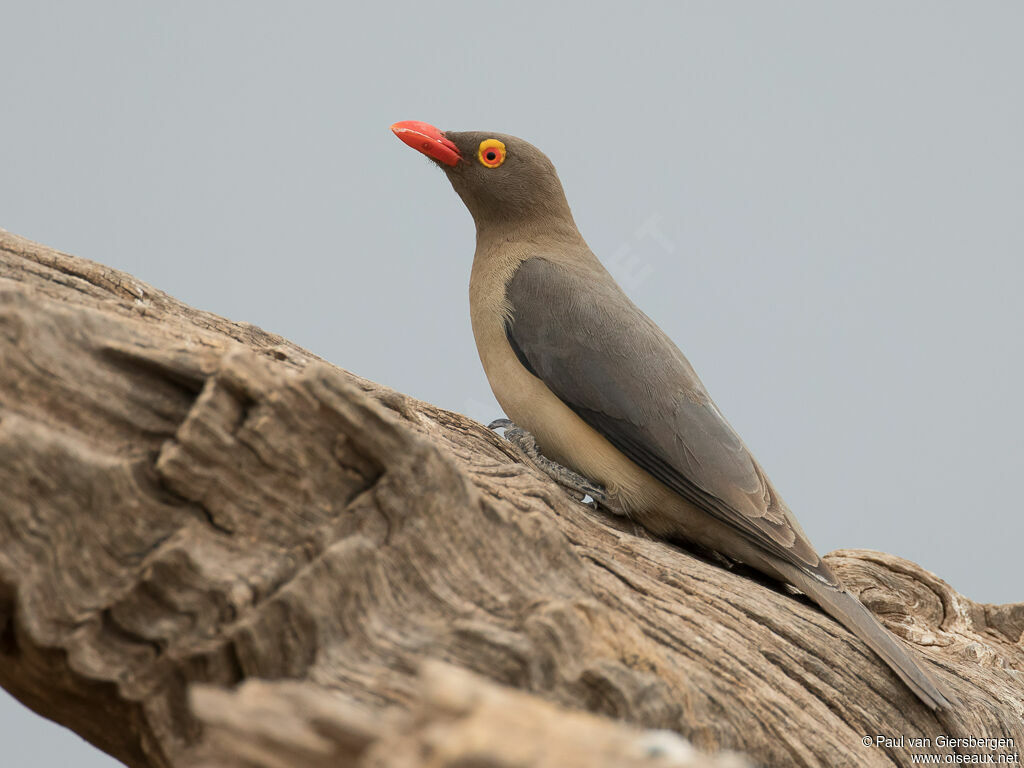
502, 180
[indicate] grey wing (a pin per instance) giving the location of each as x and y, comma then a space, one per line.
606, 360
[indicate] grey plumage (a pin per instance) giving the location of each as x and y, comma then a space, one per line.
634, 386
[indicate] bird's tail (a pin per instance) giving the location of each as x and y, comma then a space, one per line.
851, 613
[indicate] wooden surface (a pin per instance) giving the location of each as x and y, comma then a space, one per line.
457, 720
186, 500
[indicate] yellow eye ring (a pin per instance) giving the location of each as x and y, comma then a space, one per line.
491, 153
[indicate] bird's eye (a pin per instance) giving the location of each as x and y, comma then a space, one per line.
491, 153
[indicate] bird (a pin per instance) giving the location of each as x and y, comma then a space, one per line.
614, 407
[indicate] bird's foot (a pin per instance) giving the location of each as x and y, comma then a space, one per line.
579, 486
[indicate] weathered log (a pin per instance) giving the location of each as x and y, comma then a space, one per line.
456, 721
187, 500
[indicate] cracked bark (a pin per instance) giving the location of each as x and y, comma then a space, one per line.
187, 501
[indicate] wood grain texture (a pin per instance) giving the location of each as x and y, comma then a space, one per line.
457, 720
187, 500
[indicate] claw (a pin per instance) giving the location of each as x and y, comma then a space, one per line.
579, 487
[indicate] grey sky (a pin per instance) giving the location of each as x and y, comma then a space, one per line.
822, 205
